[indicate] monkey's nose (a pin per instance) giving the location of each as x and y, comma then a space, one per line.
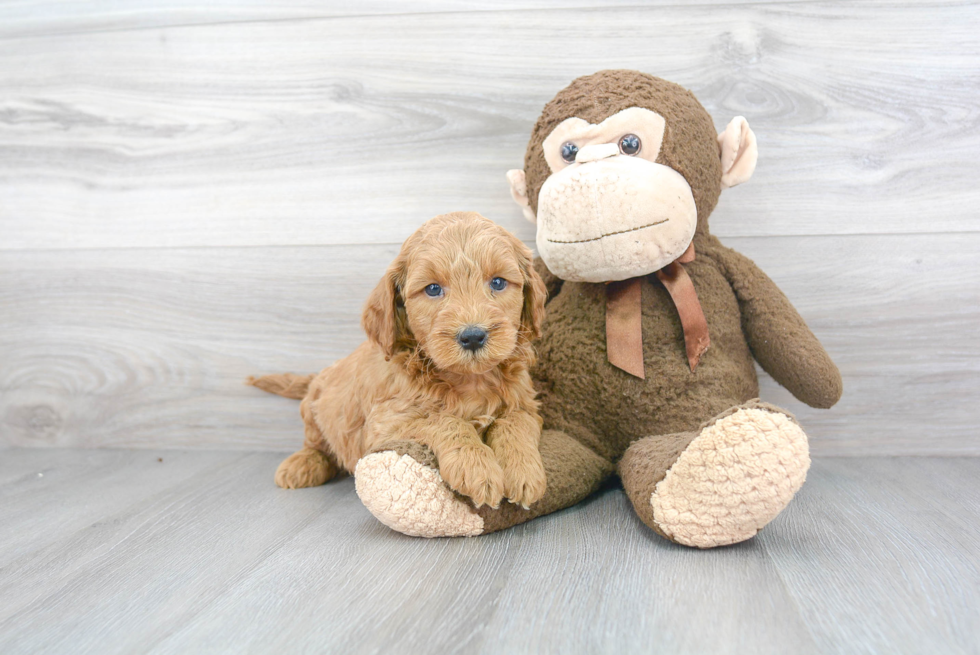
472, 338
596, 152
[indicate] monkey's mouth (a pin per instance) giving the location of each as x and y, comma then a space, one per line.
611, 234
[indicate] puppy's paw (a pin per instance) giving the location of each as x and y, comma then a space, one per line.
473, 471
524, 480
306, 468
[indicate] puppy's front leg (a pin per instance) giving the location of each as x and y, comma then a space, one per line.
515, 438
465, 462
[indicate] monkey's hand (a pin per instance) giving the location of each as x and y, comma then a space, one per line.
779, 338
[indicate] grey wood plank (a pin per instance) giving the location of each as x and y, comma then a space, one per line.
47, 17
150, 349
45, 490
124, 583
168, 339
874, 555
316, 132
874, 565
563, 584
607, 584
361, 589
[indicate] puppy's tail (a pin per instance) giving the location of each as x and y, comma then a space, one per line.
283, 384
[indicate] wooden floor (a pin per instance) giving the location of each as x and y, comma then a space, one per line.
107, 551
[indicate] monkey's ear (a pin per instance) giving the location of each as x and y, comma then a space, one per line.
518, 190
739, 152
380, 317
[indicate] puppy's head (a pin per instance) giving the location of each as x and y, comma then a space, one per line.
464, 291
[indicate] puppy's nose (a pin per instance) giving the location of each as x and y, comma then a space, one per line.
472, 338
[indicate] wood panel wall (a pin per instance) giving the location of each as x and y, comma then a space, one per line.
189, 195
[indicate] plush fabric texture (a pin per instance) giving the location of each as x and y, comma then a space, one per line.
599, 141
720, 484
589, 218
738, 152
574, 472
406, 504
644, 465
411, 498
703, 462
732, 479
689, 146
778, 336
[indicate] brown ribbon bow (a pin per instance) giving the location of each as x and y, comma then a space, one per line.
624, 329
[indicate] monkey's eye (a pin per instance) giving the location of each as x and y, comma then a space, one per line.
498, 284
630, 144
568, 152
433, 291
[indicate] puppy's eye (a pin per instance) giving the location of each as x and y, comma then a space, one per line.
498, 284
568, 151
433, 291
630, 144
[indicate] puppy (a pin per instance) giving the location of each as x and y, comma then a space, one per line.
446, 364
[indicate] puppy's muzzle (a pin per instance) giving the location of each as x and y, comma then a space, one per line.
472, 338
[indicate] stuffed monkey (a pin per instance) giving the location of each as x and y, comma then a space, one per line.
646, 360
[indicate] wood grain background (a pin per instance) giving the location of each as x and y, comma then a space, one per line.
191, 195
147, 551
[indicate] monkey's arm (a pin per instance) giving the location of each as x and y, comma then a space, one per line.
551, 282
779, 338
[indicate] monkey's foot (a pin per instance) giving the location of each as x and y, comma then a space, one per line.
402, 487
721, 484
411, 497
734, 477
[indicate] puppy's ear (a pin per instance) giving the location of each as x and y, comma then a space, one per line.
535, 294
381, 319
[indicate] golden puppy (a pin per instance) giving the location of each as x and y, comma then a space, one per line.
446, 365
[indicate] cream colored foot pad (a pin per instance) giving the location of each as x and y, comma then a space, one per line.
734, 478
411, 498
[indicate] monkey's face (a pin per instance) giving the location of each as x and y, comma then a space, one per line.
609, 211
623, 195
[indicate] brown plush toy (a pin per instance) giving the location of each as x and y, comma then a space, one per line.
646, 357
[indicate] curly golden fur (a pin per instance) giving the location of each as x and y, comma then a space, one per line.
413, 379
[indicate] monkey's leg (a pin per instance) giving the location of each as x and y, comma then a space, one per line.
402, 487
722, 483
